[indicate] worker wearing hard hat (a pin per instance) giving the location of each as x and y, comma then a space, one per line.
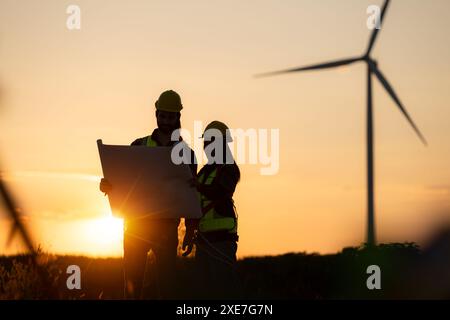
215, 234
159, 235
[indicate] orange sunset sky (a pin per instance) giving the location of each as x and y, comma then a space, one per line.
62, 90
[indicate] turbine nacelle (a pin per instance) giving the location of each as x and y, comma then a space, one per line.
373, 64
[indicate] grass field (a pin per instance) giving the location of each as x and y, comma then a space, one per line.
404, 274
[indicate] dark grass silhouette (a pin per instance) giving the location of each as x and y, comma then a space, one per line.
290, 276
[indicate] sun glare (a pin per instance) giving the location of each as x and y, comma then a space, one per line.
105, 231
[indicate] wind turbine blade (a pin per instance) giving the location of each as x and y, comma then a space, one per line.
11, 235
394, 96
326, 65
18, 225
375, 31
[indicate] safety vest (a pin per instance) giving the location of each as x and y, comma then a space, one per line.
212, 220
149, 142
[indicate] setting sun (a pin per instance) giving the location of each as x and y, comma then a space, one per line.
196, 151
104, 231
58, 86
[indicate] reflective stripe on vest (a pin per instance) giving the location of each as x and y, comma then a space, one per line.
211, 220
150, 142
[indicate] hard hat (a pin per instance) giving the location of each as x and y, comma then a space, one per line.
222, 127
169, 101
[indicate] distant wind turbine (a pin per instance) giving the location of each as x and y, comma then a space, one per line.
372, 68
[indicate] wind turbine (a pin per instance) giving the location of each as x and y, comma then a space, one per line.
372, 69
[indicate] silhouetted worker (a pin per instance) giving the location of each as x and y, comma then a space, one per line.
215, 234
159, 235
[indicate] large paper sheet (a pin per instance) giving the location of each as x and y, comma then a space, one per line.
145, 182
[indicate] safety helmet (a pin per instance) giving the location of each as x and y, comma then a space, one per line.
222, 127
169, 101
